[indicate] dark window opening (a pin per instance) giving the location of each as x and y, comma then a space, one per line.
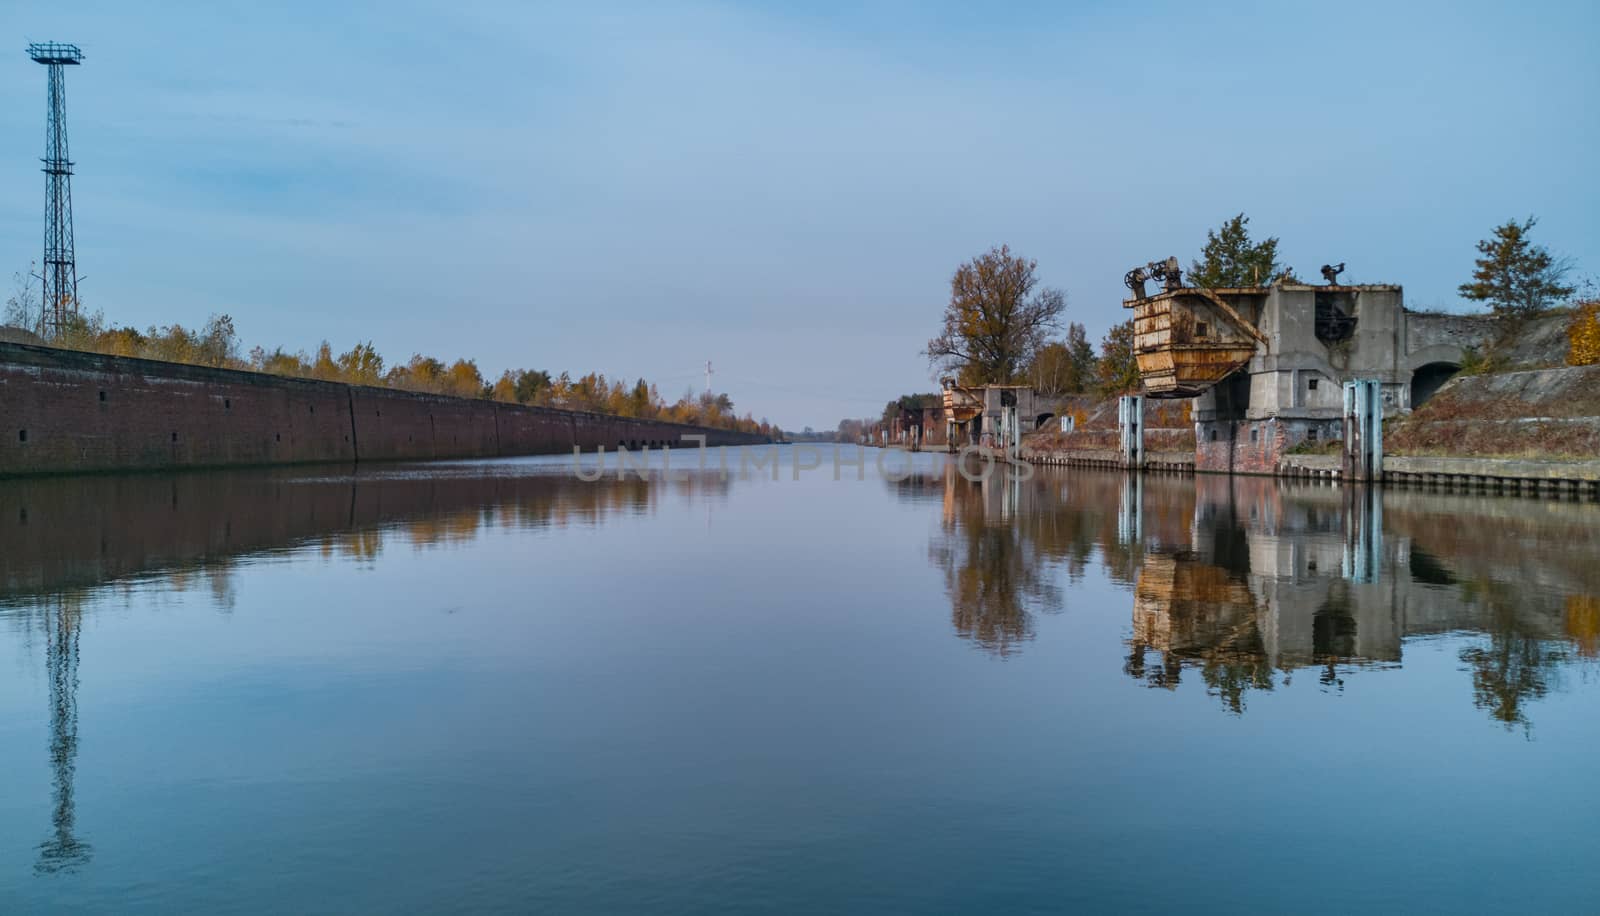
22, 435
1312, 434
102, 395
1213, 435
1312, 384
174, 437
1255, 434
227, 403
1201, 329
277, 437
1335, 316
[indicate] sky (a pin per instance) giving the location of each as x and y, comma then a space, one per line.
783, 189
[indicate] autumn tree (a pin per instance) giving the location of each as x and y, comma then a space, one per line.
1118, 371
323, 366
1230, 259
997, 318
1064, 367
279, 361
361, 365
1516, 277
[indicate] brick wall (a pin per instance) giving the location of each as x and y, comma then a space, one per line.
62, 411
1239, 446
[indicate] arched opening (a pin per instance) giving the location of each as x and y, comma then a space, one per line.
1042, 420
1427, 380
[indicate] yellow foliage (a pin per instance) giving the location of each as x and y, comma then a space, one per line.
1585, 335
1583, 623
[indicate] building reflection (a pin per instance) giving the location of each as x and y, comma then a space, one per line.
1246, 583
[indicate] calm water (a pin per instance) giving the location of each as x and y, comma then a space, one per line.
491, 686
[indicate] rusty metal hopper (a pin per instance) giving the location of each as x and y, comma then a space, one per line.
1187, 340
962, 404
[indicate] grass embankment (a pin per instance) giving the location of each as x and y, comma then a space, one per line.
1549, 414
1169, 427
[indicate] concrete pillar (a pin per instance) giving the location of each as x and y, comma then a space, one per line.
1130, 420
1363, 430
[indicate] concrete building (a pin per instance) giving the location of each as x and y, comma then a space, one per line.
1266, 365
976, 415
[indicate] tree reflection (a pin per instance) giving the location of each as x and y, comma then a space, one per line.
1517, 665
1005, 544
994, 575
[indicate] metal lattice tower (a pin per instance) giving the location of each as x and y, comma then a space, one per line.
59, 290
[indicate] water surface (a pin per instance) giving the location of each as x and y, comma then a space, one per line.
490, 686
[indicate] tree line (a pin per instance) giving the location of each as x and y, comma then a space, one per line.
216, 344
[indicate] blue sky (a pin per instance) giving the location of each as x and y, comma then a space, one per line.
781, 188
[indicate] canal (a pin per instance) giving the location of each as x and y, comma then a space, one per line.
494, 686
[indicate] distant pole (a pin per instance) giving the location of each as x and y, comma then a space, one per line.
59, 291
708, 376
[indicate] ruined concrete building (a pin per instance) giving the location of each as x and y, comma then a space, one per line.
1266, 365
976, 414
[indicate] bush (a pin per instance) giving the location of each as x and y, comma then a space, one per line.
1584, 334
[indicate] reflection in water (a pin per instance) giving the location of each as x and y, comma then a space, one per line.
1004, 543
1246, 581
190, 529
70, 536
997, 580
63, 852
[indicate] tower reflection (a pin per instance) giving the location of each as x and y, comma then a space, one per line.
64, 851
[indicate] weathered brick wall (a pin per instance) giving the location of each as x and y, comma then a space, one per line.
65, 411
62, 411
1228, 446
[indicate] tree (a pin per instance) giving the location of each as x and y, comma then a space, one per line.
22, 307
218, 343
323, 366
1083, 362
1119, 372
1516, 277
996, 319
361, 365
1050, 371
1064, 367
1230, 259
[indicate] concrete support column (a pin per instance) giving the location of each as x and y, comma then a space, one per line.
1130, 420
1363, 430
